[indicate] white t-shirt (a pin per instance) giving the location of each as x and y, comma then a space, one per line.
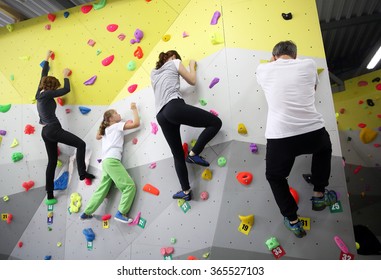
112, 141
289, 87
166, 83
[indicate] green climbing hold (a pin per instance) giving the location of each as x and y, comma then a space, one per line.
17, 156
221, 161
203, 102
50, 201
5, 108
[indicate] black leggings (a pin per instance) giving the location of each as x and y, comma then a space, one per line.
175, 113
280, 157
52, 134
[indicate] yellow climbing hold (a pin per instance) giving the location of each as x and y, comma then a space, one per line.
207, 174
59, 163
242, 129
249, 219
75, 202
216, 38
166, 37
367, 135
14, 143
319, 70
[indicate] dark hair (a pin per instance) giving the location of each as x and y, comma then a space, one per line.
285, 48
49, 83
106, 121
163, 57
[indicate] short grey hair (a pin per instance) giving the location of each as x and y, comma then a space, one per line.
285, 48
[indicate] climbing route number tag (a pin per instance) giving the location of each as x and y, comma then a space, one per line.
306, 222
185, 207
336, 208
168, 257
244, 228
142, 222
278, 252
105, 224
89, 245
346, 256
4, 216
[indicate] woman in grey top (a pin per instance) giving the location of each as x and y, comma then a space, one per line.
172, 111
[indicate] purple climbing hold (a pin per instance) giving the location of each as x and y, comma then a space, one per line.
90, 81
214, 82
215, 18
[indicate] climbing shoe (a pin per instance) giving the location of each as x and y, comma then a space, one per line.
196, 159
296, 229
183, 195
122, 218
84, 216
328, 199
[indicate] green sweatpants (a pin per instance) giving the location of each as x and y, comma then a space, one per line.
113, 172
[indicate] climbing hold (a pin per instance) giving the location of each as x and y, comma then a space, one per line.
90, 81
17, 156
377, 145
66, 14
204, 195
99, 5
154, 128
191, 258
14, 143
98, 52
59, 163
12, 77
138, 36
361, 125
131, 66
10, 27
272, 243
138, 52
253, 147
152, 165
91, 42
376, 80
167, 251
216, 38
367, 135
206, 255
28, 185
173, 240
48, 27
357, 169
340, 243
221, 161
287, 16
132, 88
342, 111
185, 149
3, 132
215, 18
9, 218
166, 37
214, 82
59, 244
86, 8
5, 198
207, 174
213, 112
108, 60
294, 194
20, 244
75, 202
106, 217
203, 102
84, 110
360, 102
89, 234
5, 108
185, 34
151, 189
60, 101
242, 129
193, 142
62, 181
244, 178
50, 201
112, 27
362, 83
121, 36
136, 220
378, 86
248, 220
29, 129
370, 102
48, 257
51, 17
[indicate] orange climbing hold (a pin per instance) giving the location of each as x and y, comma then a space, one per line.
367, 135
294, 194
244, 178
151, 189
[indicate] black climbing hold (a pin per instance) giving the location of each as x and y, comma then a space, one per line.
376, 80
370, 102
287, 16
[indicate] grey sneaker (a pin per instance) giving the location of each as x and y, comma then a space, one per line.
296, 229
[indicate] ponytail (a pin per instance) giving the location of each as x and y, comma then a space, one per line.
106, 121
163, 57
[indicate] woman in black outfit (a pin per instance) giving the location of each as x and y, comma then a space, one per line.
52, 132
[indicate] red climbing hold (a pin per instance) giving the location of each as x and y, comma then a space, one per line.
87, 8
378, 86
60, 101
357, 169
361, 125
108, 60
106, 217
9, 218
51, 17
294, 194
138, 53
151, 189
112, 27
362, 83
185, 148
20, 244
244, 178
132, 88
28, 185
29, 129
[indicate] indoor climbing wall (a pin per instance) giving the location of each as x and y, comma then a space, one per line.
359, 121
229, 39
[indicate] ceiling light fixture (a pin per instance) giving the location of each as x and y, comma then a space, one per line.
375, 59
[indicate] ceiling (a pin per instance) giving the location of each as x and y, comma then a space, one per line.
351, 30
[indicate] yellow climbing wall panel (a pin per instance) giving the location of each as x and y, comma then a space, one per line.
350, 99
255, 25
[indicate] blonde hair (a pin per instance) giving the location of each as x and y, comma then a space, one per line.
106, 121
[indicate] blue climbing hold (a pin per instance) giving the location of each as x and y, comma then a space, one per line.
43, 63
89, 234
48, 257
66, 14
61, 182
84, 110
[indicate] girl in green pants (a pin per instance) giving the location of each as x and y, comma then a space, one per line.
111, 132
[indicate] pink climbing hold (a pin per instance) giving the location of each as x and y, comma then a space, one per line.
90, 81
136, 220
48, 27
361, 125
204, 195
154, 128
108, 60
215, 18
362, 83
376, 145
214, 82
152, 165
214, 112
87, 8
134, 140
185, 34
87, 181
167, 251
112, 27
51, 17
357, 169
132, 88
91, 42
121, 36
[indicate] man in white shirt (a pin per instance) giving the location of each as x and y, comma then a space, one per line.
294, 127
